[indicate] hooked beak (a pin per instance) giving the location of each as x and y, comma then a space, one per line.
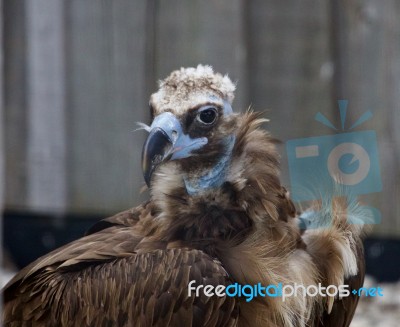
166, 141
156, 146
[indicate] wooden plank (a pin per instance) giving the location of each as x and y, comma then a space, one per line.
46, 139
15, 131
290, 64
206, 32
106, 96
290, 67
368, 51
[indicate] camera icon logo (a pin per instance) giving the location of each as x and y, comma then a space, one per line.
347, 162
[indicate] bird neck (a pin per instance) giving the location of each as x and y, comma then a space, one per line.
214, 177
244, 184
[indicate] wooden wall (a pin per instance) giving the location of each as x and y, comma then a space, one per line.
78, 75
366, 43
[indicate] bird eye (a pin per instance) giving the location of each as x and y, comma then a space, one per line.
207, 116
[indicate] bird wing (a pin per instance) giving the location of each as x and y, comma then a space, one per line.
343, 309
126, 218
104, 279
95, 235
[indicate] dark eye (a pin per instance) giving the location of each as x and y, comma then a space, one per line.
207, 116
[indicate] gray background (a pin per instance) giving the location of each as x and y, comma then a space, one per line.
77, 75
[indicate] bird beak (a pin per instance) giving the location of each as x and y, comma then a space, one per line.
166, 141
156, 146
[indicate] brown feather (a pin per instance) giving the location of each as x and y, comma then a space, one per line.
133, 269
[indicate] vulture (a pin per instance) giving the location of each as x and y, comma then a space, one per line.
217, 218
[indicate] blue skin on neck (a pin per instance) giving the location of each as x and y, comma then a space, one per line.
183, 146
216, 176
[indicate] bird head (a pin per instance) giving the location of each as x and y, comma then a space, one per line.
193, 126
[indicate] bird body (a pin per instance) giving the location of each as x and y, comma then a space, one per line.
217, 215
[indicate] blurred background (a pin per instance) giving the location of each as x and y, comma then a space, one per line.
77, 76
